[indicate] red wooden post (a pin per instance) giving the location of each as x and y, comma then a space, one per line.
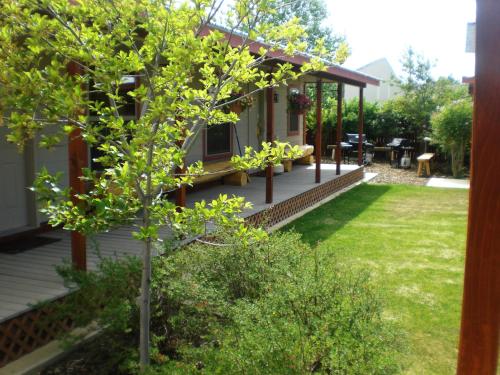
304, 121
269, 138
319, 129
77, 159
479, 335
338, 148
360, 127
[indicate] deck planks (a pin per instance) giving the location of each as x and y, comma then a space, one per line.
30, 277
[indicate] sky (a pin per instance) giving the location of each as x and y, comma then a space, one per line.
386, 28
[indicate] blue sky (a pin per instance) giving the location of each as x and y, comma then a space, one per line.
385, 28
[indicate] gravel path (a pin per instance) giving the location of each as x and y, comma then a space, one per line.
389, 175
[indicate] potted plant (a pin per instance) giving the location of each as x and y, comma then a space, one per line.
298, 103
235, 105
239, 102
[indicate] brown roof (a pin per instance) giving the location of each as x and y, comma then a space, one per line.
333, 71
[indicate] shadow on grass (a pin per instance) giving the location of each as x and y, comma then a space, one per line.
323, 221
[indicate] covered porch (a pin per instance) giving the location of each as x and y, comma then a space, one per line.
28, 276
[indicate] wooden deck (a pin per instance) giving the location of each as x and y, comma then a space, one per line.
29, 277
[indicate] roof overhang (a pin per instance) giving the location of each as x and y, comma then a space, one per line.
332, 72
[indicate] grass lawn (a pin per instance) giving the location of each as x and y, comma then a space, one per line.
412, 239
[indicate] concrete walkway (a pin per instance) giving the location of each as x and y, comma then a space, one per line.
451, 183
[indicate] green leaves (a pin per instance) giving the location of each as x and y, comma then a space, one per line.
143, 82
451, 129
269, 155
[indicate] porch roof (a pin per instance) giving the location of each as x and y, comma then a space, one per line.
333, 71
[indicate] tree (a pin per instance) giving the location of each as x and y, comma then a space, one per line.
448, 89
311, 14
185, 83
451, 127
417, 86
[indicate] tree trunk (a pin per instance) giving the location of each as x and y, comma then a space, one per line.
145, 314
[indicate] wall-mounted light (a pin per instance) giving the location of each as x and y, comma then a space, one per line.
276, 97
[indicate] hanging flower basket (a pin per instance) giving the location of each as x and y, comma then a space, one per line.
298, 103
238, 106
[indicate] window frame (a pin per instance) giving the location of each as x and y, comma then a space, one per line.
220, 156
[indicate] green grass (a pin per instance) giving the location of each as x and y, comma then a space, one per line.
412, 239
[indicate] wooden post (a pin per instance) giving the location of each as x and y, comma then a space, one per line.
338, 148
319, 129
479, 335
360, 127
269, 138
77, 159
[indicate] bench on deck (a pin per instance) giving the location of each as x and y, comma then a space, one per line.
306, 158
424, 159
222, 170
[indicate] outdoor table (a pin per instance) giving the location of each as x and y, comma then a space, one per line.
345, 149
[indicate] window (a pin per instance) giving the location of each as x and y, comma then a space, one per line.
218, 141
127, 107
293, 123
128, 110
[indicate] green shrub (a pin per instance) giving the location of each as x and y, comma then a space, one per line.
451, 127
106, 297
269, 307
193, 288
321, 318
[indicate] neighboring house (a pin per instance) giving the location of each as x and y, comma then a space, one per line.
470, 47
27, 273
386, 90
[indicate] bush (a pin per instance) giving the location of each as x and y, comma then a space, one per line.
194, 288
321, 318
275, 306
451, 127
106, 297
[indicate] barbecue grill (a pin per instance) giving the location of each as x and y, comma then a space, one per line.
353, 139
398, 148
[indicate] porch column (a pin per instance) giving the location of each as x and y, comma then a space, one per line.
360, 127
78, 159
480, 327
269, 138
338, 149
304, 122
319, 129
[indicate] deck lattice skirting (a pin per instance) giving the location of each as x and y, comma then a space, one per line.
26, 332
30, 330
283, 210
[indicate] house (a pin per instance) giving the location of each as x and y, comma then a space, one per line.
382, 69
28, 276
